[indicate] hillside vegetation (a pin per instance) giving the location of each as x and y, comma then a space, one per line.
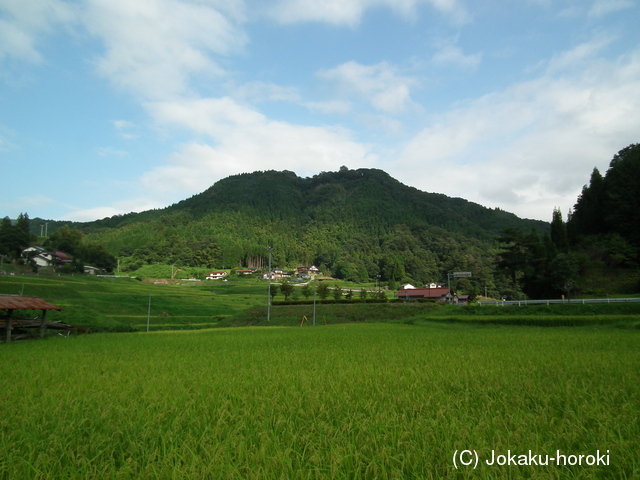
357, 225
127, 305
364, 226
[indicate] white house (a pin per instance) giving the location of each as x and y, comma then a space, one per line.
306, 272
216, 275
45, 258
275, 274
91, 270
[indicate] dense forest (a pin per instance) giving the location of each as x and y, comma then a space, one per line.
358, 225
363, 225
596, 251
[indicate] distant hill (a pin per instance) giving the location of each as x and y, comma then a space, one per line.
355, 224
369, 198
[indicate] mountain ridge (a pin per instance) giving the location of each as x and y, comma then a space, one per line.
283, 193
354, 224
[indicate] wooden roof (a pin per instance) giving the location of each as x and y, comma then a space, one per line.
21, 302
422, 292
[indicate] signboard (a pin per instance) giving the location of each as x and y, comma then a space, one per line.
461, 274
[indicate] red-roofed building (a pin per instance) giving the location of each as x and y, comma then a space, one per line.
45, 258
440, 294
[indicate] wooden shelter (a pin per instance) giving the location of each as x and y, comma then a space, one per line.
10, 303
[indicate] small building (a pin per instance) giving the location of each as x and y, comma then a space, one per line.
216, 275
91, 270
9, 304
461, 299
276, 273
306, 271
45, 258
439, 294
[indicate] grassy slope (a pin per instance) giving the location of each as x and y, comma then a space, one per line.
110, 304
123, 304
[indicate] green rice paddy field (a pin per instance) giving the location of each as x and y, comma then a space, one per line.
356, 400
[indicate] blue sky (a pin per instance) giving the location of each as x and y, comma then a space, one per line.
114, 106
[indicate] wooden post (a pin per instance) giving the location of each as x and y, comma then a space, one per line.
42, 321
9, 321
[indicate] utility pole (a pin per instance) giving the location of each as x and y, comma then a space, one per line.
149, 313
314, 300
269, 290
455, 275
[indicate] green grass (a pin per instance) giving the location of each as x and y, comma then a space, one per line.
387, 401
122, 304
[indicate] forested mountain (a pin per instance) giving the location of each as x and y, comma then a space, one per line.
353, 224
369, 199
363, 225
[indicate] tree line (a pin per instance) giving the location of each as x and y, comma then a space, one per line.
601, 234
15, 237
362, 226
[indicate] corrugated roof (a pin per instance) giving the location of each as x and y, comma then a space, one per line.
422, 292
21, 302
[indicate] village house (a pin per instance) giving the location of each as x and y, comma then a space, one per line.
439, 294
45, 258
276, 273
91, 270
216, 275
306, 272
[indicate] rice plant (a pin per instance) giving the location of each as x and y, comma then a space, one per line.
337, 401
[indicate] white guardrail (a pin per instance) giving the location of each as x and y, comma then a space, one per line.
575, 301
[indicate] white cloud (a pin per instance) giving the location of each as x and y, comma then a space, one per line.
452, 55
26, 204
23, 23
126, 129
329, 107
349, 12
123, 124
259, 92
244, 140
4, 144
532, 146
380, 85
117, 208
111, 152
153, 48
577, 56
601, 8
